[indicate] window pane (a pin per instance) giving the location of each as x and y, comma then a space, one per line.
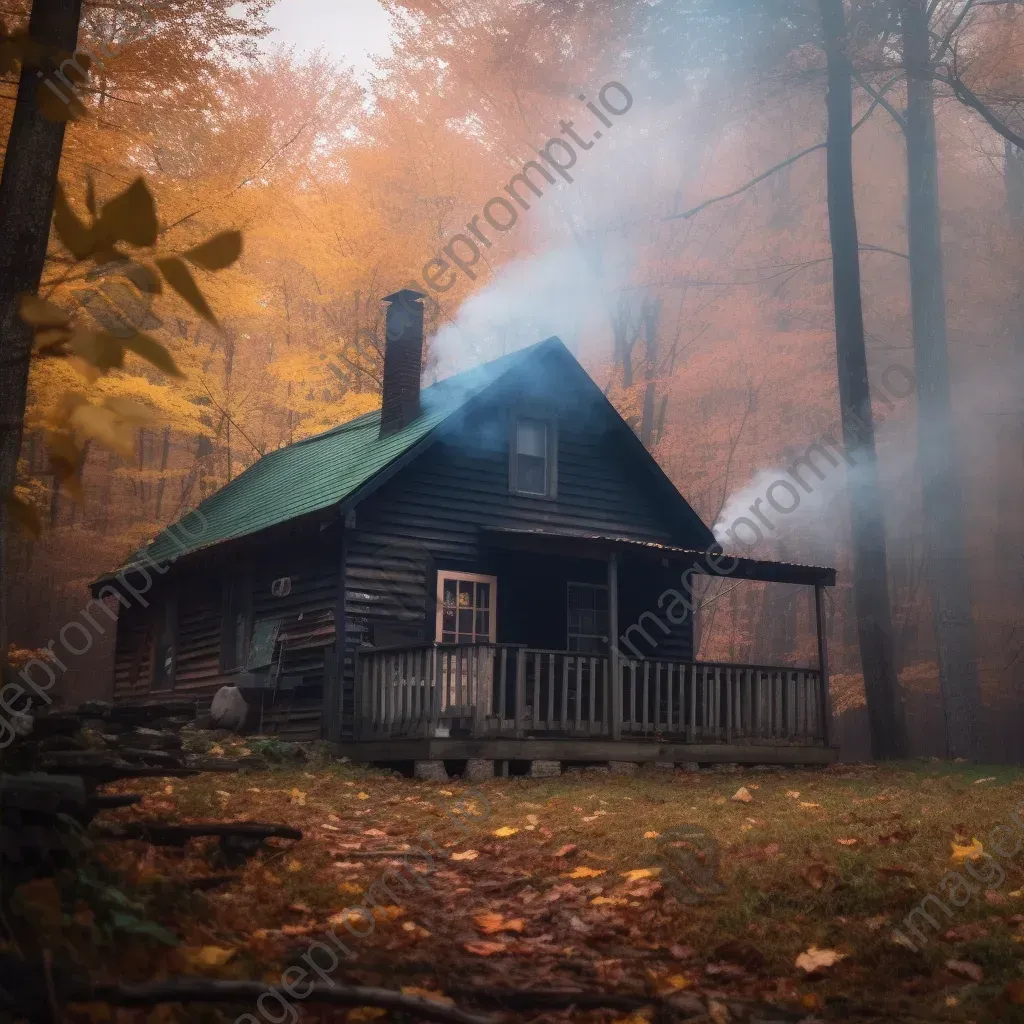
449, 593
483, 595
532, 475
448, 619
483, 625
465, 594
465, 625
532, 438
447, 638
587, 618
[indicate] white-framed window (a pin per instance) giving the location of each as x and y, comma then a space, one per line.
466, 607
587, 618
532, 465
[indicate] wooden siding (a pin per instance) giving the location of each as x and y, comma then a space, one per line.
430, 516
132, 653
310, 559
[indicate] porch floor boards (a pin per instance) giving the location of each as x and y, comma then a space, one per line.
567, 748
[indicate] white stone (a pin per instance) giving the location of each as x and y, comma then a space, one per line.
545, 769
229, 709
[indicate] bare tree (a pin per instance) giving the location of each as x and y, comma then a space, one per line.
870, 571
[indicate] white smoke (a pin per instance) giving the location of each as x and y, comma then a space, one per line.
775, 505
557, 292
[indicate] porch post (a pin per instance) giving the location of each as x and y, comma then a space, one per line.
826, 703
615, 677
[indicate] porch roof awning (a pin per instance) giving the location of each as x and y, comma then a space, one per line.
708, 561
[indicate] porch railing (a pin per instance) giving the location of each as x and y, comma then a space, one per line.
480, 690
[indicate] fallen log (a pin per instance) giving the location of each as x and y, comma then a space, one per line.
34, 991
34, 796
192, 991
101, 774
683, 1005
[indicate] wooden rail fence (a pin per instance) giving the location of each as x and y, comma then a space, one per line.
481, 690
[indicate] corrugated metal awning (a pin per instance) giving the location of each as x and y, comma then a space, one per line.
710, 561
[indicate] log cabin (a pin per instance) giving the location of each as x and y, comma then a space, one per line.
490, 568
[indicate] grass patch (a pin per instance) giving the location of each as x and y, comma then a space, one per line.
833, 859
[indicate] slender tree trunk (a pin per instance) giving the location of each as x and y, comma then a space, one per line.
54, 500
942, 489
1013, 177
651, 315
165, 453
870, 573
27, 187
108, 493
143, 492
83, 458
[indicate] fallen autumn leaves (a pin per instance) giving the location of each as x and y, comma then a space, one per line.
559, 905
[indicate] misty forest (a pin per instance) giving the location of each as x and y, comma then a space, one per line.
512, 511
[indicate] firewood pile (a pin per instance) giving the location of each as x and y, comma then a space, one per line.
103, 742
50, 778
52, 773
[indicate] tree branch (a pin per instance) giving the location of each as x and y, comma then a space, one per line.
969, 98
228, 417
876, 101
686, 215
881, 100
206, 991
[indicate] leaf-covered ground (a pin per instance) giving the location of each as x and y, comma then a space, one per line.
575, 882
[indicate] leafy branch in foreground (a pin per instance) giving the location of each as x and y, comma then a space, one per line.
81, 415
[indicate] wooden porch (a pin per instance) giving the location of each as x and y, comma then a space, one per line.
530, 660
468, 697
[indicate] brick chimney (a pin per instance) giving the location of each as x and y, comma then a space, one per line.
403, 358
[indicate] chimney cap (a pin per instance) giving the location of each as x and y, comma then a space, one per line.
404, 295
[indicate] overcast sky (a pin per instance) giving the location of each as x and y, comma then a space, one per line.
350, 31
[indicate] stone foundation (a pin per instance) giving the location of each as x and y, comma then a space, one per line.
478, 769
545, 769
689, 766
623, 767
432, 771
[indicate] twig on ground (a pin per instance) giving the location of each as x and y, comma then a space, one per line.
205, 991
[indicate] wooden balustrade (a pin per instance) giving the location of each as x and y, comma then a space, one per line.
704, 702
482, 690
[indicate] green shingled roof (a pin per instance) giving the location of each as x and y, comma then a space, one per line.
320, 471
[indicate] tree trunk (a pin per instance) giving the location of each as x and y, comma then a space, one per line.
942, 490
651, 318
54, 501
870, 573
1013, 176
26, 201
165, 453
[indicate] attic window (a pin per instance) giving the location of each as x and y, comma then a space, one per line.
532, 462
